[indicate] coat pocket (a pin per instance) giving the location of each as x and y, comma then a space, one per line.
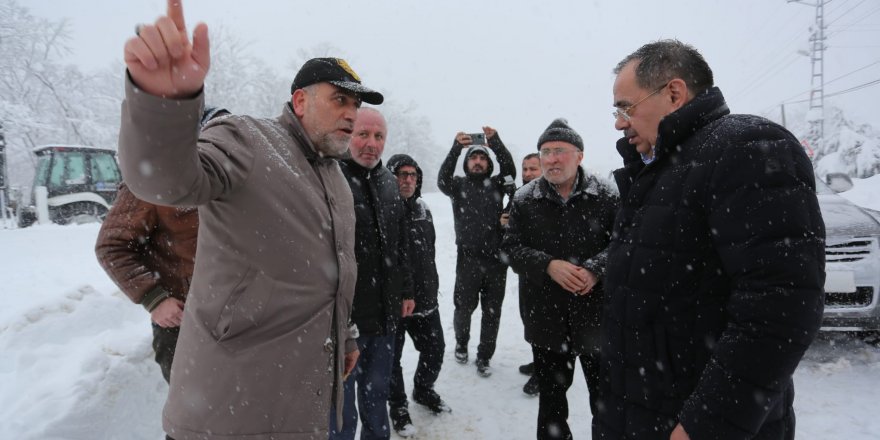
244, 307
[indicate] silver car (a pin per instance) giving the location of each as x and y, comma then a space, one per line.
852, 260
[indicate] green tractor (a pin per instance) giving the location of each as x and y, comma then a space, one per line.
80, 183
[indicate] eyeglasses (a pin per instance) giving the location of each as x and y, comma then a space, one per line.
547, 152
403, 175
624, 112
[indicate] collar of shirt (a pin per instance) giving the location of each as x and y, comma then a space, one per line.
648, 159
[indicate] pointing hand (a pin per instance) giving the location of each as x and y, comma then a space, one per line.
161, 59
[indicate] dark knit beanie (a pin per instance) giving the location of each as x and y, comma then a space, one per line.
560, 131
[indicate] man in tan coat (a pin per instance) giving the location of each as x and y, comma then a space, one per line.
265, 338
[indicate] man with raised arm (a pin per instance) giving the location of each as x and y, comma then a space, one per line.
480, 275
265, 338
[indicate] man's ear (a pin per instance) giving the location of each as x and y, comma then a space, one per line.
298, 100
678, 93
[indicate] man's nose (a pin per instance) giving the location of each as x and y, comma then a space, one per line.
621, 124
351, 113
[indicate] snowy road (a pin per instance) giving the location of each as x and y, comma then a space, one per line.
77, 363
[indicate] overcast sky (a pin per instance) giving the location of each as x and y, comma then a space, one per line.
516, 65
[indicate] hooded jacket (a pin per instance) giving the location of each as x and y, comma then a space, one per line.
260, 346
422, 236
477, 199
714, 279
381, 249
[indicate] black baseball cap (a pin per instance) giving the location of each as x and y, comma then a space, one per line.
337, 72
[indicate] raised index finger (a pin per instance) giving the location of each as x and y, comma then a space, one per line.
175, 13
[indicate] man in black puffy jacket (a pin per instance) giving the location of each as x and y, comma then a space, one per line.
715, 271
383, 292
423, 326
560, 225
480, 276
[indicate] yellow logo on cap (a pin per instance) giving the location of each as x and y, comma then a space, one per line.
347, 68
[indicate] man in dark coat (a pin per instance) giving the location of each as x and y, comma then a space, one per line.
559, 227
716, 266
424, 325
383, 292
480, 276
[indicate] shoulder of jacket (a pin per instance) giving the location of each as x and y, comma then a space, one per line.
528, 191
382, 172
601, 186
734, 128
421, 211
420, 202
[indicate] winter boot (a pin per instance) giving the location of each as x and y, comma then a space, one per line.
461, 354
401, 422
430, 399
527, 369
483, 368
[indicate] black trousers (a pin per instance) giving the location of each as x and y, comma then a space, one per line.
555, 372
478, 280
426, 333
164, 343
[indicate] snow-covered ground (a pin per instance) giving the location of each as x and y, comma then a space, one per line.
76, 359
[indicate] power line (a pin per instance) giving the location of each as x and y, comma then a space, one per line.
833, 10
841, 92
755, 31
771, 58
788, 100
847, 12
845, 27
858, 87
781, 64
862, 18
854, 71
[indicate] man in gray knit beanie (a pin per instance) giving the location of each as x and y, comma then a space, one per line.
559, 226
560, 131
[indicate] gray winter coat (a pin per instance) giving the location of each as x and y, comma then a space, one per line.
275, 270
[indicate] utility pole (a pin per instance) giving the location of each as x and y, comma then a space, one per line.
816, 114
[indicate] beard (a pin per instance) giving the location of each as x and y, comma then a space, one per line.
332, 145
477, 170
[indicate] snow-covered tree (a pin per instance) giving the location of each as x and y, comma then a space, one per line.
241, 82
848, 147
43, 101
